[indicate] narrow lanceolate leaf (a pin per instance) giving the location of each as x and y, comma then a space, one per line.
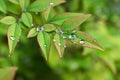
3, 7
59, 44
14, 1
49, 27
8, 73
74, 22
8, 20
48, 13
85, 36
45, 43
27, 19
60, 18
24, 4
32, 33
13, 35
38, 5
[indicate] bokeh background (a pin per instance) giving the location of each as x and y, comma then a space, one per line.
78, 63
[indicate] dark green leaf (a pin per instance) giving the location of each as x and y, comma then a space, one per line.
74, 22
27, 19
8, 20
3, 7
14, 1
88, 38
14, 33
7, 73
60, 18
24, 3
39, 5
45, 43
49, 27
59, 44
33, 32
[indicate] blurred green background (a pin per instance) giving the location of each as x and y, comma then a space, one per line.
78, 63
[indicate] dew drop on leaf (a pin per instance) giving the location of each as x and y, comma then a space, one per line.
82, 42
72, 36
45, 45
51, 3
59, 31
12, 38
40, 29
54, 40
32, 24
59, 44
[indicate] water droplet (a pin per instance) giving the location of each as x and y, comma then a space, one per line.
59, 31
72, 36
59, 44
45, 45
32, 24
12, 37
51, 3
65, 46
54, 40
82, 42
40, 29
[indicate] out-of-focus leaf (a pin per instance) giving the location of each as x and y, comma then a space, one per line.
74, 22
39, 5
24, 4
60, 18
14, 33
49, 27
59, 44
8, 20
33, 32
14, 1
45, 43
3, 7
7, 73
48, 13
85, 36
27, 19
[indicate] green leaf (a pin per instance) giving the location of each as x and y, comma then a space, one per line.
14, 1
33, 32
7, 73
59, 44
27, 19
85, 36
24, 4
8, 20
74, 22
45, 43
14, 33
38, 5
60, 18
3, 7
49, 27
48, 13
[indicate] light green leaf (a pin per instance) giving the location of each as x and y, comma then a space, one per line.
60, 18
59, 44
14, 1
38, 5
24, 4
8, 20
33, 32
3, 7
48, 13
7, 73
14, 33
49, 27
74, 22
27, 19
85, 36
45, 43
